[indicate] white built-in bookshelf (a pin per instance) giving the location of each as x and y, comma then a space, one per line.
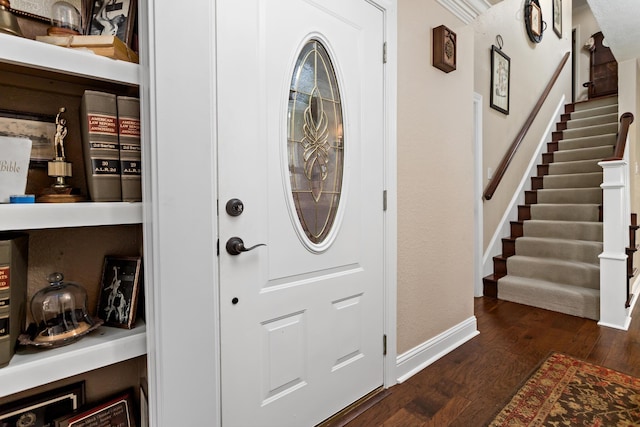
105, 346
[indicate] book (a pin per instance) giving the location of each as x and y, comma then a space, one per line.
130, 155
14, 166
14, 251
99, 123
109, 46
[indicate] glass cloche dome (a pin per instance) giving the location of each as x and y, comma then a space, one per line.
60, 312
65, 18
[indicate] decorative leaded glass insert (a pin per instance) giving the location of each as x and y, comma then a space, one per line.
315, 145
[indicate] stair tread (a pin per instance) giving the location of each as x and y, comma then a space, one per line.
542, 282
554, 261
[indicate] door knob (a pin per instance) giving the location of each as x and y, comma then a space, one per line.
235, 246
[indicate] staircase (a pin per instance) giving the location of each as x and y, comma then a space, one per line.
551, 259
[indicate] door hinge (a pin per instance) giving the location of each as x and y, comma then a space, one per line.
384, 53
218, 247
384, 200
384, 345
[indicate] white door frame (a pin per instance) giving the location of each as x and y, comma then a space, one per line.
178, 99
478, 205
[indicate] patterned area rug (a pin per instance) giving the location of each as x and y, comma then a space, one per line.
568, 392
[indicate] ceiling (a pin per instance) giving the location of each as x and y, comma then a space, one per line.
619, 21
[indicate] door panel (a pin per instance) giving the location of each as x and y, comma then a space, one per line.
302, 322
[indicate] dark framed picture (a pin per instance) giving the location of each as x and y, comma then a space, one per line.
116, 411
557, 17
500, 80
119, 291
41, 410
444, 49
113, 18
533, 21
39, 128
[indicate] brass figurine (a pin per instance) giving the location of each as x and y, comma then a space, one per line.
59, 168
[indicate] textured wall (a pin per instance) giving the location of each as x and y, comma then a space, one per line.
435, 178
532, 65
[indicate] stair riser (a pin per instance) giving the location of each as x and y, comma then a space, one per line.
593, 179
578, 195
582, 154
562, 212
587, 142
570, 251
591, 232
592, 121
584, 166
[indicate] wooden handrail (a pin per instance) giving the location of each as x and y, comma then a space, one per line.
621, 141
502, 167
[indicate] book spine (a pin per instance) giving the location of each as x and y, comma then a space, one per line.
130, 154
14, 251
99, 118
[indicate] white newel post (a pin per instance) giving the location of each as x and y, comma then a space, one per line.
613, 260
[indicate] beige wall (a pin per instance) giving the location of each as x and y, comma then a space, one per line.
435, 177
532, 65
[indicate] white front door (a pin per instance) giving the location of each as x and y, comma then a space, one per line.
300, 120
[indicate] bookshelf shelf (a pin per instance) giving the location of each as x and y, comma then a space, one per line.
47, 58
39, 77
104, 346
59, 215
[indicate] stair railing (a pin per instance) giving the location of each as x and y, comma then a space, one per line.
616, 213
506, 160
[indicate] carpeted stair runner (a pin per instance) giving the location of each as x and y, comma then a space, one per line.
555, 263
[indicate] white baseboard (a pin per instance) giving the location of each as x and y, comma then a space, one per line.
418, 358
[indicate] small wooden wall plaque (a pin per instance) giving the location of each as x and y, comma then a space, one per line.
444, 49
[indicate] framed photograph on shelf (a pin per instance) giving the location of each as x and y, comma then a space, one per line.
42, 409
500, 80
557, 17
113, 18
39, 128
119, 291
116, 411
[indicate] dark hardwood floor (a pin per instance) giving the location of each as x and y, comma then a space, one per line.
467, 387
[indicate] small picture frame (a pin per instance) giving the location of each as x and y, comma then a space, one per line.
43, 409
117, 411
444, 49
113, 18
557, 17
39, 128
500, 80
119, 291
535, 18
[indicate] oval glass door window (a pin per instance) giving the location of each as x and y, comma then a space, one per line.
315, 142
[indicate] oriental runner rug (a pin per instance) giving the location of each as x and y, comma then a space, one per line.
565, 391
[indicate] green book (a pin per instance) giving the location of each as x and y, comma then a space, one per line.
14, 251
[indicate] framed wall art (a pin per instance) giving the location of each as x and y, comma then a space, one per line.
113, 18
39, 128
119, 291
444, 49
42, 409
557, 17
533, 22
500, 80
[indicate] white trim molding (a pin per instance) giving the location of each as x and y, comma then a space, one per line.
466, 10
423, 355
